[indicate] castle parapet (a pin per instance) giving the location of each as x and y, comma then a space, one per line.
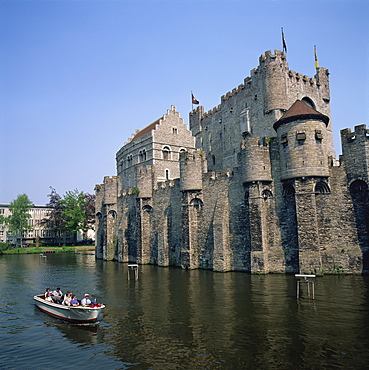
192, 166
355, 152
195, 120
256, 159
144, 181
110, 189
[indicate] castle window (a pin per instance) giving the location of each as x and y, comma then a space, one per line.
318, 135
284, 139
142, 155
197, 203
359, 189
182, 151
129, 160
147, 208
166, 152
167, 174
300, 137
267, 194
322, 187
288, 190
308, 102
174, 130
213, 158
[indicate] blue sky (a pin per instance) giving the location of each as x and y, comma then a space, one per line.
77, 78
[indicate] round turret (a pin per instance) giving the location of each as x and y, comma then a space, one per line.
303, 140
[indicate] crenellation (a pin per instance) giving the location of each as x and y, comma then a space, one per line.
252, 186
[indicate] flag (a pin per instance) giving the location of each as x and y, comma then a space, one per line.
194, 100
284, 45
316, 58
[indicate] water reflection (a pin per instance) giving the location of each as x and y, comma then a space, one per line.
80, 334
177, 319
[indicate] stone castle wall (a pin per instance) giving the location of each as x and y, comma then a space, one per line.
248, 197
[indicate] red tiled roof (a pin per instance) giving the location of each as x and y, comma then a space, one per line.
300, 110
147, 129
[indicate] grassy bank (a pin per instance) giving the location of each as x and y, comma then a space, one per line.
45, 250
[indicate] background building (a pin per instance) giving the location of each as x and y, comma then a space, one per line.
39, 233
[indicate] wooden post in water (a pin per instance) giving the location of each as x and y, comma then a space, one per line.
133, 267
305, 279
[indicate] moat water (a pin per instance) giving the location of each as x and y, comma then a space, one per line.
176, 319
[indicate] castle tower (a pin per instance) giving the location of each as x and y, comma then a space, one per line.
256, 159
302, 138
192, 166
274, 68
255, 105
191, 169
355, 158
106, 217
355, 153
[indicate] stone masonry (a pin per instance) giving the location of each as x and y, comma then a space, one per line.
253, 185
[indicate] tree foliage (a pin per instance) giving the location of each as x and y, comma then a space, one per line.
72, 212
17, 221
54, 220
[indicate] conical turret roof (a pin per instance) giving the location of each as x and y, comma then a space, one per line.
300, 110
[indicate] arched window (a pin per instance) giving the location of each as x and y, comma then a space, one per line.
197, 203
359, 189
147, 208
142, 155
266, 194
166, 152
182, 150
288, 190
308, 102
322, 187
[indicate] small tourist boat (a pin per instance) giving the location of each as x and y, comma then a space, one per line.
79, 314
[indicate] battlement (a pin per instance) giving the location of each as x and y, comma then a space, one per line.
300, 77
269, 57
359, 131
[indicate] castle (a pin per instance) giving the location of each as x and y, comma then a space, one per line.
253, 185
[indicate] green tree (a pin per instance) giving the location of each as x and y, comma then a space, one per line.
74, 212
78, 211
54, 221
17, 221
89, 213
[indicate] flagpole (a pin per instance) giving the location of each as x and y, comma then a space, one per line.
191, 102
284, 45
316, 59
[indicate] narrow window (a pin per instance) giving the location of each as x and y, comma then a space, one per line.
166, 153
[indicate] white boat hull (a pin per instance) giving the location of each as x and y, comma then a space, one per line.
71, 314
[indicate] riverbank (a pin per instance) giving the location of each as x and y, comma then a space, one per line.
46, 249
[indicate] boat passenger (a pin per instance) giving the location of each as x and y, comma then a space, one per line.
48, 297
67, 298
86, 300
47, 290
57, 295
74, 302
